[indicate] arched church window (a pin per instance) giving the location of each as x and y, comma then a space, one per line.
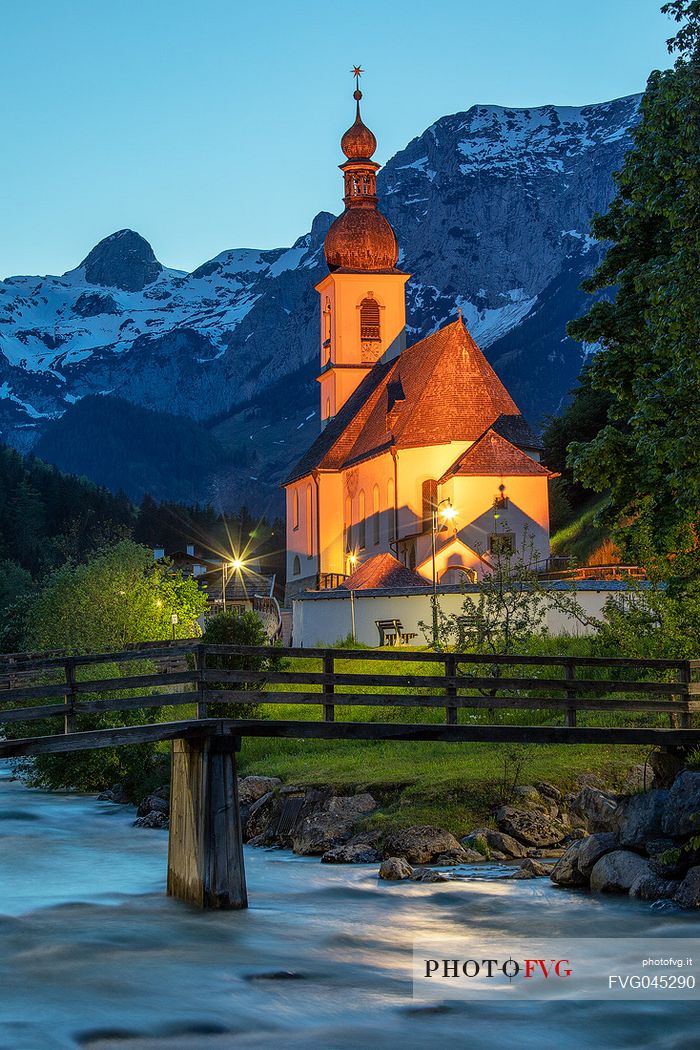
348, 524
309, 520
361, 523
369, 321
430, 495
327, 323
295, 509
412, 556
375, 515
328, 408
296, 566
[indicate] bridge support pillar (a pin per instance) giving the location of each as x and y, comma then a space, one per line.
205, 846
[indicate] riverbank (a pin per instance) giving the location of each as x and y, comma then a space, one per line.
93, 954
452, 785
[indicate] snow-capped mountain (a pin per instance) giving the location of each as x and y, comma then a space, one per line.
492, 210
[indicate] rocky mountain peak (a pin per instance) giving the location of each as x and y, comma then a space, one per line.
123, 260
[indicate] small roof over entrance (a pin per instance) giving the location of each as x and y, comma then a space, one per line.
379, 571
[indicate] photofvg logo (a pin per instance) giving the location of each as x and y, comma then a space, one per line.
509, 970
583, 968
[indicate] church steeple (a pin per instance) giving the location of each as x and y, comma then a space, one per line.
363, 309
361, 238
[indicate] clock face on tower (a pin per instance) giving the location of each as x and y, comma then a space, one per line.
371, 351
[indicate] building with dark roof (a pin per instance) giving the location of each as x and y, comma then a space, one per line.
423, 454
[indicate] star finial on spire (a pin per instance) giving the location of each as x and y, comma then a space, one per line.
357, 72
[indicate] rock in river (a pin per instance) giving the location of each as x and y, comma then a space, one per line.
395, 869
616, 872
331, 823
421, 844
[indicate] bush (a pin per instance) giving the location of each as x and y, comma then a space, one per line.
232, 628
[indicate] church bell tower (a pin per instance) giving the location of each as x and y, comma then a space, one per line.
363, 301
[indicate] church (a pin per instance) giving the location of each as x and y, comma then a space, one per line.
423, 457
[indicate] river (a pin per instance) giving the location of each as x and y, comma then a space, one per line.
93, 954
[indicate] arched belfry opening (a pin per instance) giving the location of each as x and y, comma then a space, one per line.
370, 323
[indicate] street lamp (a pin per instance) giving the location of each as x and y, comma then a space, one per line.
236, 564
448, 513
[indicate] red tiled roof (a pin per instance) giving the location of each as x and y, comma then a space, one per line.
382, 570
451, 393
492, 454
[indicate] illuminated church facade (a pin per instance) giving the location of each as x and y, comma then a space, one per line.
421, 447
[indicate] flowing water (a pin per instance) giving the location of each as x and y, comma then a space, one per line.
92, 952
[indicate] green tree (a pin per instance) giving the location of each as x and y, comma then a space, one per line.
647, 455
119, 597
510, 604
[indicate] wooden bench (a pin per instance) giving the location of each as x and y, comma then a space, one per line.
391, 632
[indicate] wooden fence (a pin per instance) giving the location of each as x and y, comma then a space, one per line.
179, 674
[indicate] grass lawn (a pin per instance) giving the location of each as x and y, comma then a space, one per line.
453, 785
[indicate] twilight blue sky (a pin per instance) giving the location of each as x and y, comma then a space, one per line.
215, 124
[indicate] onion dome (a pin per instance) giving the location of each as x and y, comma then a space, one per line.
361, 239
358, 142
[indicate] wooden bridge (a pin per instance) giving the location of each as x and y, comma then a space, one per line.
652, 702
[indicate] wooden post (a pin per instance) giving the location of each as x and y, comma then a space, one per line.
205, 846
328, 688
69, 698
200, 660
684, 679
570, 717
451, 688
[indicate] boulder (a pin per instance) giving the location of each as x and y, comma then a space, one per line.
595, 808
153, 804
331, 823
639, 818
250, 789
532, 827
393, 869
154, 819
672, 862
593, 848
639, 778
574, 834
688, 893
114, 794
497, 845
531, 869
428, 875
421, 844
593, 780
566, 871
528, 797
666, 764
358, 850
650, 887
259, 819
549, 790
616, 872
459, 856
682, 814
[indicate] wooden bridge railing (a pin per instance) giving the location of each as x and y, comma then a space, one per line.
178, 674
205, 850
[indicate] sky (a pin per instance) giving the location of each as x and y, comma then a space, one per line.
215, 124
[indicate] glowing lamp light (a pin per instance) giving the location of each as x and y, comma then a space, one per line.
236, 563
448, 512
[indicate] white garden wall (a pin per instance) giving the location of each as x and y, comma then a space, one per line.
322, 618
